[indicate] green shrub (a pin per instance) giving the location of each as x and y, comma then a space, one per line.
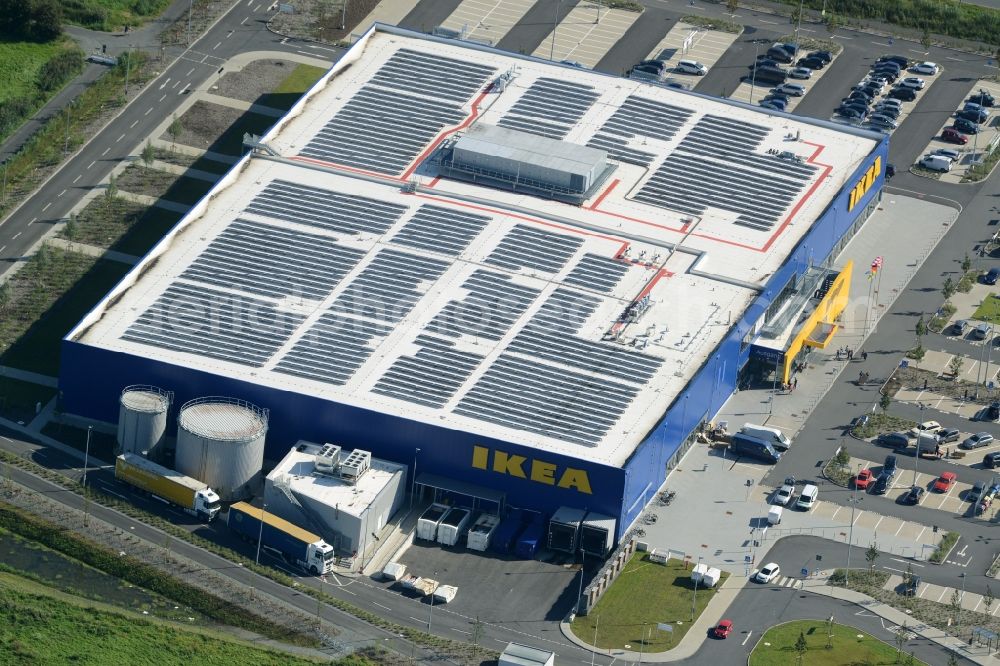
60, 69
948, 542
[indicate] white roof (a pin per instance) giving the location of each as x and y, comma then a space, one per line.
323, 273
297, 469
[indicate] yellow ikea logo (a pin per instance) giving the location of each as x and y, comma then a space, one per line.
865, 183
537, 470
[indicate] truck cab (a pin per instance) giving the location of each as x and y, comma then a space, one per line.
207, 504
319, 558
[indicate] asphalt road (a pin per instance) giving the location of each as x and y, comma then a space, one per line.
241, 29
759, 607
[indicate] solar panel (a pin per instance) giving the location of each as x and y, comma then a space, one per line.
389, 286
492, 305
325, 209
332, 349
432, 75
530, 247
526, 395
215, 324
549, 107
564, 311
596, 272
439, 229
271, 261
638, 117
431, 376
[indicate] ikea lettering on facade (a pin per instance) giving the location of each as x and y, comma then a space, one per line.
536, 470
865, 183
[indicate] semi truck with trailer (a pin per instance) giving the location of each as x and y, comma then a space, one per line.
278, 536
168, 485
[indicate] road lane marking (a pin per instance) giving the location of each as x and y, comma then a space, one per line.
389, 609
105, 152
16, 235
188, 74
92, 164
77, 178
149, 109
1, 250
164, 84
33, 220
896, 559
120, 138
184, 89
244, 20
134, 123
461, 631
45, 208
416, 620
217, 46
769, 22
64, 192
749, 634
164, 97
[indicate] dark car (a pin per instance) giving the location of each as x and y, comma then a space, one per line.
825, 56
993, 411
896, 440
978, 117
890, 111
911, 585
902, 61
860, 94
850, 112
905, 94
967, 126
947, 435
991, 460
780, 54
811, 63
881, 485
773, 104
889, 466
768, 75
764, 62
992, 276
887, 69
648, 69
659, 64
983, 98
913, 496
890, 171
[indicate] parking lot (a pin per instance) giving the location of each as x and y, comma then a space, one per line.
492, 587
906, 107
688, 42
753, 92
584, 38
487, 20
953, 501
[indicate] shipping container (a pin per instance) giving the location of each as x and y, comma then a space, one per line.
292, 543
564, 529
481, 532
453, 525
531, 539
597, 534
427, 524
506, 534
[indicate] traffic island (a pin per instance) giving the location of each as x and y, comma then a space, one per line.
821, 642
646, 597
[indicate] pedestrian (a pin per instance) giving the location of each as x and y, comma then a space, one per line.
850, 354
795, 383
925, 384
864, 356
966, 396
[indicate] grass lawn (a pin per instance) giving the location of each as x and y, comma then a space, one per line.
777, 646
111, 15
989, 310
44, 626
20, 62
645, 593
292, 87
51, 294
18, 399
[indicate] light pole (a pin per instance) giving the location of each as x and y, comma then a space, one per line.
797, 26
753, 84
694, 595
583, 562
86, 454
916, 456
850, 539
642, 642
413, 481
260, 533
128, 66
430, 617
593, 648
555, 23
190, 3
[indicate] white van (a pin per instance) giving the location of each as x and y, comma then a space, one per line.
807, 498
771, 435
691, 67
936, 163
774, 515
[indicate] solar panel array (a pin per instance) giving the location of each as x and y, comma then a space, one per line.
440, 229
638, 117
271, 261
493, 303
550, 107
389, 286
716, 165
403, 107
431, 376
212, 323
326, 209
333, 349
537, 249
597, 273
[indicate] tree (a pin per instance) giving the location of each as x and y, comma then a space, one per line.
955, 365
884, 401
948, 288
46, 20
71, 228
15, 16
900, 641
843, 458
832, 23
925, 39
175, 129
732, 6
988, 598
908, 574
148, 154
111, 191
801, 646
920, 328
966, 263
872, 555
952, 661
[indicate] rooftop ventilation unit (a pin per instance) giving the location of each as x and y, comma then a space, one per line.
355, 465
328, 459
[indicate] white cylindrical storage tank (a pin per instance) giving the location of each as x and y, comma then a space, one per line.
220, 441
142, 419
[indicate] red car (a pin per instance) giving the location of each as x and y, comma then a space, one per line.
944, 482
864, 479
952, 135
724, 628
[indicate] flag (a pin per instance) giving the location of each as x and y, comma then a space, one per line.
876, 265
665, 627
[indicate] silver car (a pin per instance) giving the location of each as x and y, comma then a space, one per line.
977, 440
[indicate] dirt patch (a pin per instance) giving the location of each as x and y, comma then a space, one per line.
138, 179
255, 80
125, 226
219, 128
321, 19
914, 378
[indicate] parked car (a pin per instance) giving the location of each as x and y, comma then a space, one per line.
950, 153
800, 73
764, 62
691, 67
647, 69
888, 111
783, 495
973, 106
952, 135
913, 496
978, 440
896, 440
791, 89
935, 163
850, 112
780, 54
911, 585
768, 572
863, 479
982, 331
991, 276
723, 629
944, 482
966, 126
905, 94
991, 460
914, 82
825, 56
860, 94
960, 327
928, 427
811, 63
975, 492
881, 485
902, 61
984, 98
993, 411
883, 121
978, 117
774, 105
925, 68
948, 435
890, 75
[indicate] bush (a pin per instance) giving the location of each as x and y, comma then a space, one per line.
60, 69
13, 112
948, 542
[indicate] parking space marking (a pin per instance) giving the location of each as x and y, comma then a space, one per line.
487, 20
582, 38
689, 42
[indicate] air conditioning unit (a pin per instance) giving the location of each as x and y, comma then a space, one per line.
355, 465
328, 459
